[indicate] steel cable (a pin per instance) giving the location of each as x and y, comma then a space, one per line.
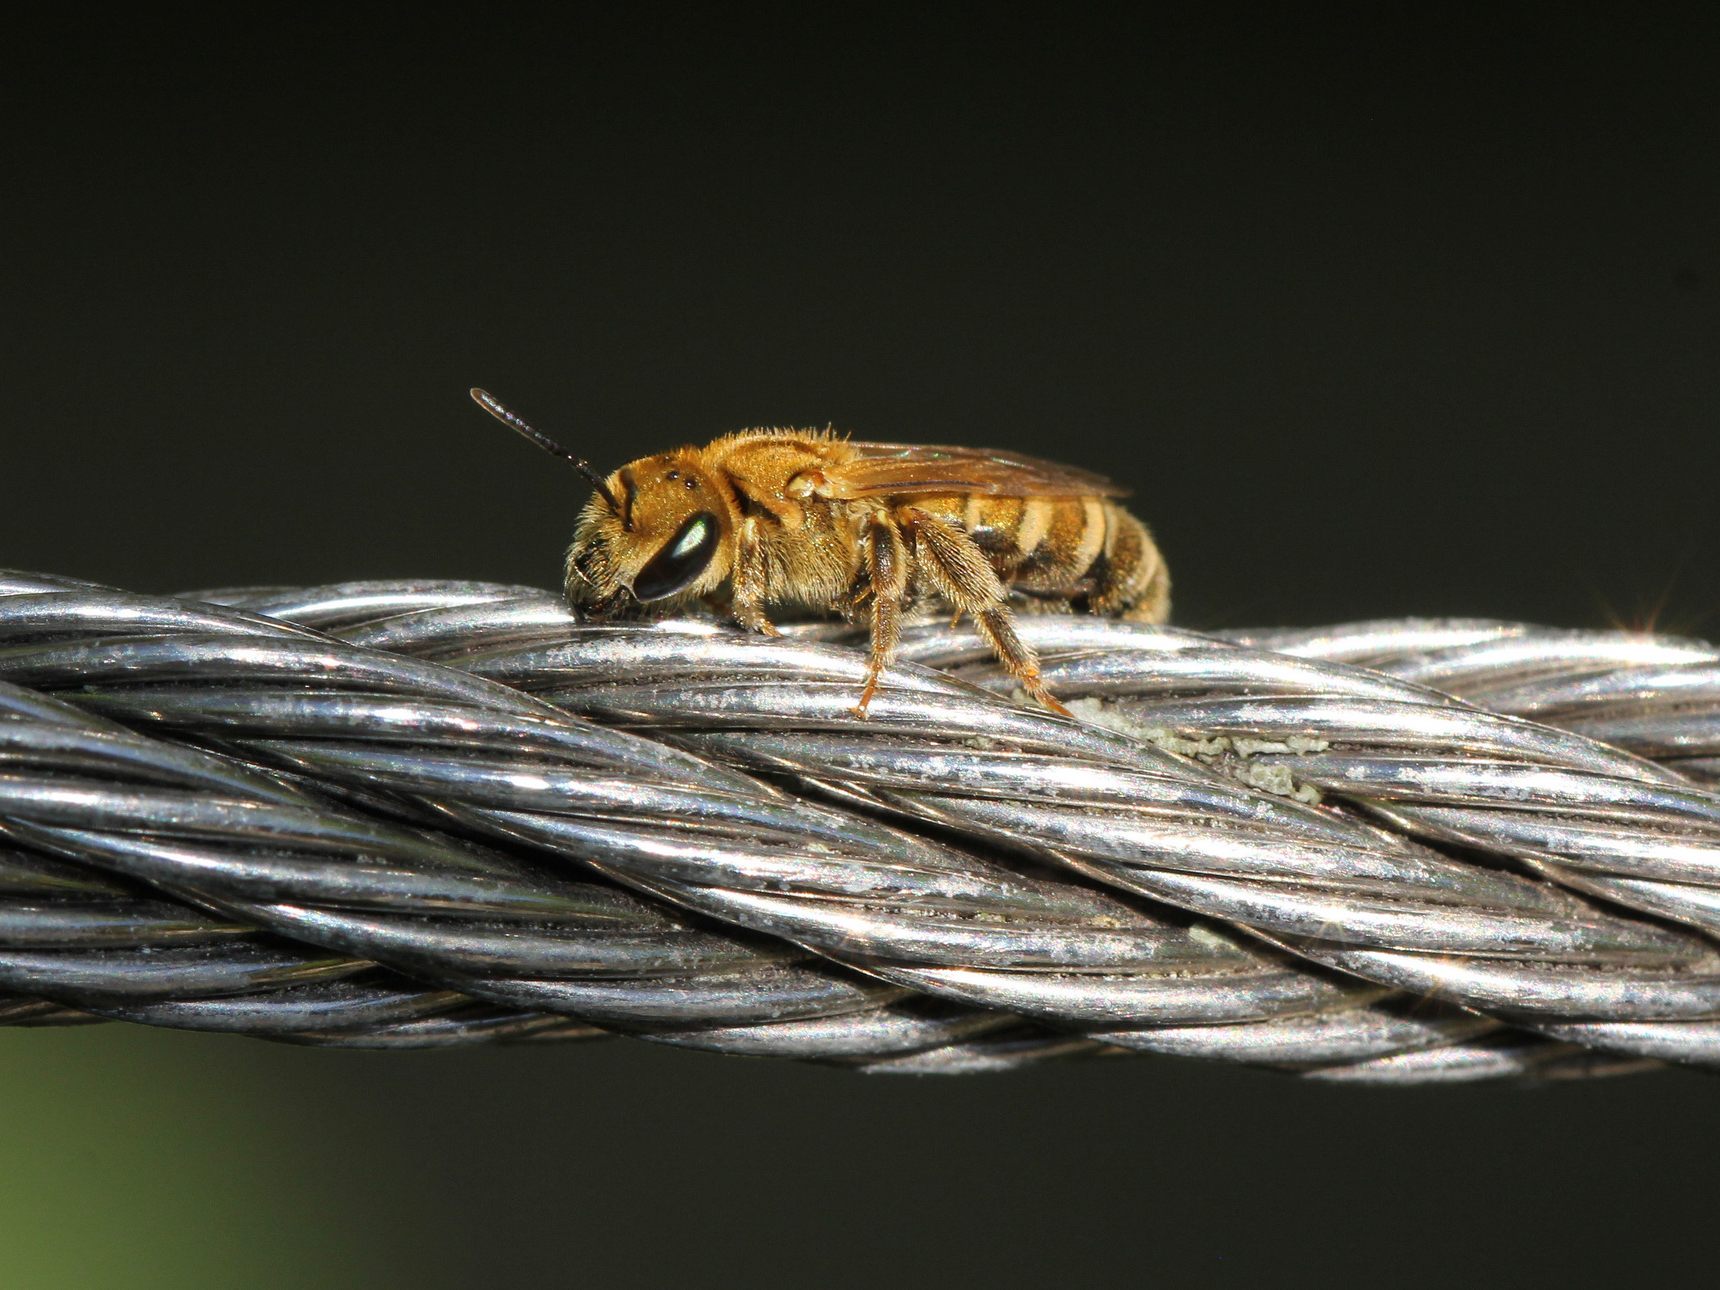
473, 817
1533, 961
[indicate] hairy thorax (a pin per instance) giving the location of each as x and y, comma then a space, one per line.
808, 549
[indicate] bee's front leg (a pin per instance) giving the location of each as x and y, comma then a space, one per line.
750, 581
886, 565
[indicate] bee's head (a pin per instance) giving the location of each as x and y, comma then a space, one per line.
654, 530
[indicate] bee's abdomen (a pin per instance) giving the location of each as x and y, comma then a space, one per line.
1041, 542
1129, 579
1086, 550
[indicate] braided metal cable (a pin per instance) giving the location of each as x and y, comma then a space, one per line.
425, 829
1373, 906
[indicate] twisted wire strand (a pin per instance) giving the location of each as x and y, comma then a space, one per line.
1525, 952
1352, 1026
456, 624
124, 650
1353, 925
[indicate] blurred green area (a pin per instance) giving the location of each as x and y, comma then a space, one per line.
137, 1157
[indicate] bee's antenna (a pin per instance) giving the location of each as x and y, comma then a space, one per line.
513, 420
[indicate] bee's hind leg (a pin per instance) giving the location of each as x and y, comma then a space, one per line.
963, 575
886, 563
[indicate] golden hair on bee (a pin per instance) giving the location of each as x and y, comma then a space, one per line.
810, 519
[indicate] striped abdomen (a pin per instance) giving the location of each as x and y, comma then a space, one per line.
1085, 550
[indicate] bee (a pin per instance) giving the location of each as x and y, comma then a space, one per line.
807, 518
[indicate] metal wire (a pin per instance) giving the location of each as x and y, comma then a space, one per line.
432, 813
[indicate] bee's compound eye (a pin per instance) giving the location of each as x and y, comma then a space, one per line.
683, 558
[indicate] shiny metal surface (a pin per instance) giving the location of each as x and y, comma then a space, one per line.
471, 818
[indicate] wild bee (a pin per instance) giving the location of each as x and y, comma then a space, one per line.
807, 518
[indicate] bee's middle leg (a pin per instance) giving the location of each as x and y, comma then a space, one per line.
886, 565
967, 580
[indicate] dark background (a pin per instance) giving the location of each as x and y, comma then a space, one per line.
1391, 314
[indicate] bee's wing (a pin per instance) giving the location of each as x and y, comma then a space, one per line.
883, 469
